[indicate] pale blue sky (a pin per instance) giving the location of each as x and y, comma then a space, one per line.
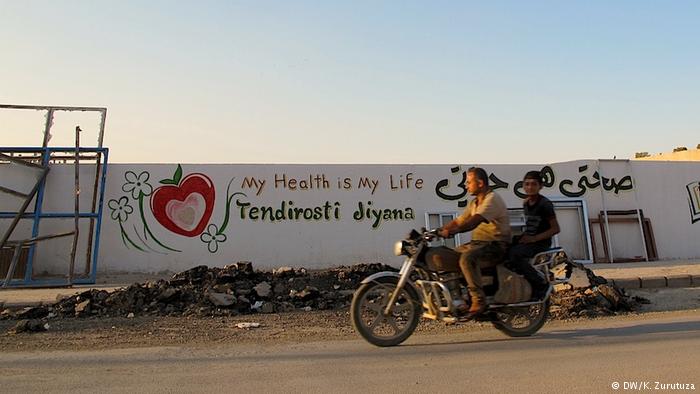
361, 81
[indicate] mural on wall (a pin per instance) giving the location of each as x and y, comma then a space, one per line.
693, 190
138, 188
182, 205
365, 211
566, 186
584, 184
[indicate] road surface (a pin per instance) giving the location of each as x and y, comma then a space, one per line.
581, 356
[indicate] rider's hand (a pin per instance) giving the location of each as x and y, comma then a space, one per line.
527, 239
443, 232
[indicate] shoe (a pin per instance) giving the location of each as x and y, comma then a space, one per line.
462, 309
478, 305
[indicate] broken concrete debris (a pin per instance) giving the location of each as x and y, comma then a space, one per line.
239, 289
28, 313
588, 295
248, 325
30, 325
267, 307
204, 291
263, 289
82, 307
221, 299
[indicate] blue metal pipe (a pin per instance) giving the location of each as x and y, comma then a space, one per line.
98, 226
38, 214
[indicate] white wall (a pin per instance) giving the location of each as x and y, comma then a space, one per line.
659, 189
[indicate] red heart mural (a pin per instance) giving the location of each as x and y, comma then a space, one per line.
184, 208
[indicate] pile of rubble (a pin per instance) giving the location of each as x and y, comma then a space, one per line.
238, 289
588, 295
203, 291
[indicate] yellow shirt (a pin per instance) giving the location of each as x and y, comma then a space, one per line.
494, 210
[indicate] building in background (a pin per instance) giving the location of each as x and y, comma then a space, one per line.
679, 154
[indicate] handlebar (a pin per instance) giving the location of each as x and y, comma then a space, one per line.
429, 235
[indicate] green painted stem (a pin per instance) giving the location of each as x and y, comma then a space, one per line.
145, 225
136, 231
126, 236
228, 211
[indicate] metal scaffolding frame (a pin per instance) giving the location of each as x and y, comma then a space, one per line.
43, 157
606, 220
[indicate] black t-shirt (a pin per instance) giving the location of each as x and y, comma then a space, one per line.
537, 218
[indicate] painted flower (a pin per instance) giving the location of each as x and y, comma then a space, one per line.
120, 208
211, 238
137, 185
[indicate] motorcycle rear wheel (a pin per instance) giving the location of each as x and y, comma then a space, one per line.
367, 315
521, 321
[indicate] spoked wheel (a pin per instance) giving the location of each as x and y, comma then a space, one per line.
521, 321
367, 312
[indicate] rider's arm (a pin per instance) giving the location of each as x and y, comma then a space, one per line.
553, 230
459, 226
474, 215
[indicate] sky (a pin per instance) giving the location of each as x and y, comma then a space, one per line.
395, 82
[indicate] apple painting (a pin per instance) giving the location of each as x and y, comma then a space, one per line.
184, 205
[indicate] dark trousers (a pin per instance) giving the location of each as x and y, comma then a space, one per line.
519, 261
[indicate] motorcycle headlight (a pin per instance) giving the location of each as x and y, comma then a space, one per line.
398, 248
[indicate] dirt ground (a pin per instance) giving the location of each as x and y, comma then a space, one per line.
293, 327
108, 333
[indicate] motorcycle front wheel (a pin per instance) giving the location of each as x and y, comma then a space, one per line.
521, 321
367, 312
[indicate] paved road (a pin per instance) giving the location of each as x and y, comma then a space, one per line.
564, 357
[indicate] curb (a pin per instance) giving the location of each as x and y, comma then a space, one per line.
656, 282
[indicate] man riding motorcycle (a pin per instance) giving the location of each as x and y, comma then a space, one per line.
487, 217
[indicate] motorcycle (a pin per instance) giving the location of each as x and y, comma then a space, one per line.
388, 306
